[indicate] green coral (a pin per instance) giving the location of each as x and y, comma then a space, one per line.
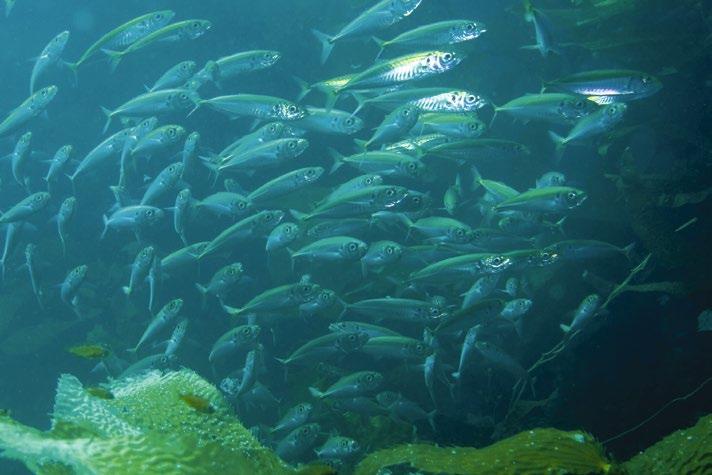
145, 429
532, 452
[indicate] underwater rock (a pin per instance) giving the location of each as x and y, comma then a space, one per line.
146, 428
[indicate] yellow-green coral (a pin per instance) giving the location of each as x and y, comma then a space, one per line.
533, 452
145, 429
685, 452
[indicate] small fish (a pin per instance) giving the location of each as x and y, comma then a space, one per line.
184, 205
412, 67
551, 179
186, 29
514, 309
50, 56
329, 121
436, 34
383, 163
332, 249
270, 154
158, 140
238, 339
332, 345
408, 310
256, 225
298, 442
287, 183
497, 357
89, 351
256, 106
29, 109
198, 403
176, 337
466, 352
155, 278
395, 125
140, 268
480, 290
360, 327
553, 199
245, 62
164, 317
72, 282
584, 249
429, 99
65, 217
704, 321
223, 281
557, 108
278, 298
189, 154
134, 218
340, 448
355, 184
101, 154
167, 180
226, 203
442, 230
583, 313
381, 254
159, 102
249, 371
19, 158
383, 14
99, 392
465, 266
126, 34
175, 76
30, 256
180, 260
596, 123
266, 133
543, 30
356, 384
149, 363
138, 132
294, 417
59, 162
403, 409
282, 236
604, 86
451, 124
27, 207
399, 348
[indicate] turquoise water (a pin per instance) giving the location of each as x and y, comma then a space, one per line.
643, 177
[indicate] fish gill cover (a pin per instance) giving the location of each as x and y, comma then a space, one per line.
366, 223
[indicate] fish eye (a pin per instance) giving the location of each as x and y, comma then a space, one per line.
171, 132
453, 97
352, 337
571, 196
470, 26
158, 16
305, 431
349, 121
474, 126
241, 205
428, 60
184, 96
646, 79
310, 172
416, 200
406, 112
412, 166
497, 260
149, 212
390, 192
273, 128
611, 110
419, 348
196, 25
306, 288
459, 232
368, 180
292, 145
353, 246
390, 250
301, 408
292, 108
447, 56
579, 103
246, 331
471, 98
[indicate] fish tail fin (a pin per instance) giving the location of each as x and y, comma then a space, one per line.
337, 158
431, 419
455, 375
283, 361
74, 68
108, 113
361, 144
106, 227
298, 215
126, 290
381, 45
327, 44
565, 328
360, 102
316, 393
559, 142
331, 98
304, 88
201, 288
559, 226
115, 58
628, 251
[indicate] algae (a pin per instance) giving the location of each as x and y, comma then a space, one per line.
532, 452
685, 452
145, 429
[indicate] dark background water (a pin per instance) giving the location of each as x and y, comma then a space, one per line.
647, 352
